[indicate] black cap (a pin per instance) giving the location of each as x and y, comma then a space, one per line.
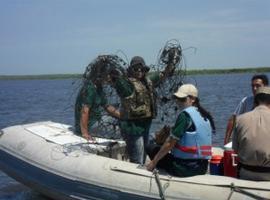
137, 60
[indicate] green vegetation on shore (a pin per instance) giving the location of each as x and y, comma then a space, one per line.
229, 71
189, 72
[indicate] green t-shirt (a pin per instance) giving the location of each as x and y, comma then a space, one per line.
124, 89
183, 122
92, 97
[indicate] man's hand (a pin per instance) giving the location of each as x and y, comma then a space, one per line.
113, 111
89, 138
173, 56
151, 165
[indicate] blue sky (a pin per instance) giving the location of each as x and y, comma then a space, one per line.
63, 36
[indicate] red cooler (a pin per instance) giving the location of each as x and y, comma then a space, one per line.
230, 163
216, 165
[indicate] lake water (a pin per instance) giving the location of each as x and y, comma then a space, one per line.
25, 101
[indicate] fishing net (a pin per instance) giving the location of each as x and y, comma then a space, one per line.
99, 70
171, 53
104, 65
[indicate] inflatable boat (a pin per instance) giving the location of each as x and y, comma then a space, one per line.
49, 158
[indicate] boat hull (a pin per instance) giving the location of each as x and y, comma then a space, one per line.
55, 186
67, 171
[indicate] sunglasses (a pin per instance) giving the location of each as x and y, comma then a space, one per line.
138, 68
181, 99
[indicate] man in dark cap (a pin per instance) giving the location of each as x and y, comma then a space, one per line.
251, 139
138, 106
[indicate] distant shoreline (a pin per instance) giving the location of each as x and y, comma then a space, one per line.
188, 72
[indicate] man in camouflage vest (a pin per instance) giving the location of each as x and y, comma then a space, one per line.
138, 106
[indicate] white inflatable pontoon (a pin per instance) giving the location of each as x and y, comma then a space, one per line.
49, 158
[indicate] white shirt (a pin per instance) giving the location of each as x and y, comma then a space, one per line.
245, 105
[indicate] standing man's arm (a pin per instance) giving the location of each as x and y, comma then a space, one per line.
229, 129
158, 78
84, 122
240, 109
235, 143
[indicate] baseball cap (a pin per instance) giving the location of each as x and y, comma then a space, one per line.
263, 90
186, 90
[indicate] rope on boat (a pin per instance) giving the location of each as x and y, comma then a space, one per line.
238, 189
160, 188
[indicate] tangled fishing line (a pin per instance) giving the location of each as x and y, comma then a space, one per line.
100, 69
171, 52
105, 65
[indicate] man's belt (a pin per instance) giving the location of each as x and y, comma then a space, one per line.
254, 168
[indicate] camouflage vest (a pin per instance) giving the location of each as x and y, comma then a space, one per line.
141, 103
